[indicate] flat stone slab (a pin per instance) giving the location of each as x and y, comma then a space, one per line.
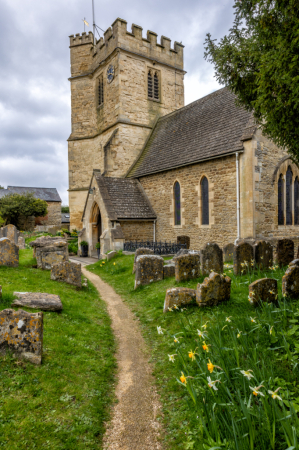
67, 271
21, 333
214, 290
179, 296
36, 300
263, 290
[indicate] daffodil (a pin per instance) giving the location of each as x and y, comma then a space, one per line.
228, 319
274, 394
201, 334
204, 325
103, 262
247, 374
191, 355
159, 329
171, 358
256, 392
114, 264
183, 378
210, 366
205, 346
176, 340
212, 384
271, 330
253, 319
239, 334
175, 307
170, 309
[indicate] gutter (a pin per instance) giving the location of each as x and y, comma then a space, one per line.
238, 196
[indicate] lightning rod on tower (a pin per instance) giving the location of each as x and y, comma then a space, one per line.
93, 24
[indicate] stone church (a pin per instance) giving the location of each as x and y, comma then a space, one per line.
142, 166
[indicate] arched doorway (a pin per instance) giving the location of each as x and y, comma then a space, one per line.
96, 223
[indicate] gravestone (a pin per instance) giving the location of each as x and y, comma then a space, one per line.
263, 253
49, 251
295, 262
264, 290
111, 255
37, 300
67, 271
243, 257
178, 297
149, 268
181, 252
187, 267
184, 240
21, 333
228, 252
21, 243
9, 253
290, 282
214, 290
284, 252
168, 270
211, 259
11, 232
141, 251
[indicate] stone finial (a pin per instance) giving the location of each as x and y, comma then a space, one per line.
211, 259
178, 297
187, 267
290, 282
149, 268
263, 290
214, 290
22, 334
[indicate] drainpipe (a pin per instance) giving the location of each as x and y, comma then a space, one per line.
154, 230
238, 195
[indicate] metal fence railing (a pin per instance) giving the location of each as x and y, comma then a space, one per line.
160, 248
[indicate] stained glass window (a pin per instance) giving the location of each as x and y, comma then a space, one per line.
204, 201
177, 203
280, 200
289, 197
296, 201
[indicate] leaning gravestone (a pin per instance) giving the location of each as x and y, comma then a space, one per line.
168, 270
243, 257
264, 290
21, 243
263, 254
9, 253
178, 297
211, 259
149, 268
37, 300
22, 334
228, 252
187, 267
214, 290
67, 271
11, 232
284, 252
141, 251
49, 251
111, 255
290, 282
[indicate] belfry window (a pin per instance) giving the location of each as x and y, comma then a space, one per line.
177, 203
281, 200
296, 201
153, 88
101, 90
204, 201
289, 197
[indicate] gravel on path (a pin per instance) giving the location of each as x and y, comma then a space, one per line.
134, 424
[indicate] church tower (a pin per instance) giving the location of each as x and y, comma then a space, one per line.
120, 86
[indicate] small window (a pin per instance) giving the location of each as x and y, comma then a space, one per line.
101, 90
177, 203
280, 200
289, 197
204, 201
296, 201
153, 88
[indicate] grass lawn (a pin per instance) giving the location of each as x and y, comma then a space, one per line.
225, 411
63, 403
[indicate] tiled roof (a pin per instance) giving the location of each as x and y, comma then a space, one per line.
48, 194
210, 127
65, 218
124, 198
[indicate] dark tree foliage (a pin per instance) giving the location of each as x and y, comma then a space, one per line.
65, 209
259, 61
16, 205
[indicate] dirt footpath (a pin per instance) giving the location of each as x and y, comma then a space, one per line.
134, 425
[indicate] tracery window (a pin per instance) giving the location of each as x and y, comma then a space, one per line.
204, 201
101, 90
177, 203
153, 85
281, 200
289, 197
296, 201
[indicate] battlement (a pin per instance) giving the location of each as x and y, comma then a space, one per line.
117, 36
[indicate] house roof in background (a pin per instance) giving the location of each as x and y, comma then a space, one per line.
65, 218
210, 127
47, 194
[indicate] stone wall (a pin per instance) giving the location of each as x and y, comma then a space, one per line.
221, 174
138, 231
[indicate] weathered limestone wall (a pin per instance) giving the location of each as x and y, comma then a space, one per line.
221, 174
138, 231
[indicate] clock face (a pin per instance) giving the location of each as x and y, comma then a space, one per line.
110, 73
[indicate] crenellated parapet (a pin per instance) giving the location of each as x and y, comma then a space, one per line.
118, 37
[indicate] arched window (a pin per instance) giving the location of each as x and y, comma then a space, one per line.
289, 197
296, 201
177, 203
280, 200
204, 201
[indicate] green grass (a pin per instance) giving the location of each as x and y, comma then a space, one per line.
64, 403
195, 416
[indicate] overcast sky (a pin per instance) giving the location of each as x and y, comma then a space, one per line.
35, 117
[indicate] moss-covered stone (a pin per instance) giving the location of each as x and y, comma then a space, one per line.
243, 258
214, 290
263, 290
141, 251
178, 297
290, 282
9, 253
67, 271
263, 254
284, 252
38, 300
187, 267
149, 268
168, 271
211, 259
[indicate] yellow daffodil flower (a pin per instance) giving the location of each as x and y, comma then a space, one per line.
171, 358
183, 378
176, 340
169, 309
228, 319
274, 394
204, 325
239, 334
212, 384
247, 374
201, 334
205, 347
256, 390
253, 319
191, 355
210, 366
114, 264
271, 330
